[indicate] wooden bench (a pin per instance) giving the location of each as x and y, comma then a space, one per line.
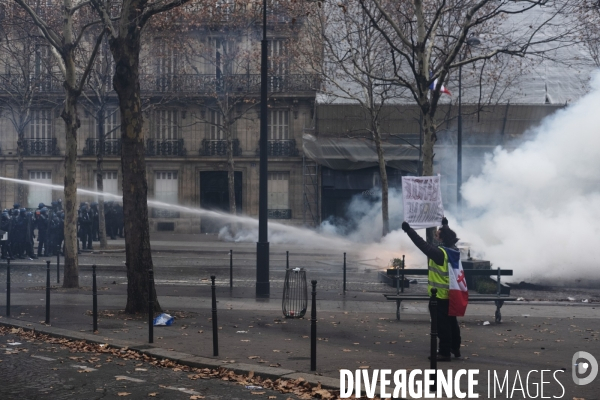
497, 298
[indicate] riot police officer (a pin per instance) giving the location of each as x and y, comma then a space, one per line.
5, 244
85, 226
42, 225
95, 222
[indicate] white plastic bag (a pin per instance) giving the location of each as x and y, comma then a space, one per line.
163, 320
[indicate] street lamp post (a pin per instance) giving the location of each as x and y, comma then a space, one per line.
262, 246
472, 41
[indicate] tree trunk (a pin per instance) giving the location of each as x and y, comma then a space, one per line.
126, 51
71, 267
20, 171
230, 170
384, 183
429, 139
99, 178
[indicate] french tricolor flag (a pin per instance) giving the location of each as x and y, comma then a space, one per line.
458, 294
442, 90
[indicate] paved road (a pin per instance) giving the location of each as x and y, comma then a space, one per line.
32, 369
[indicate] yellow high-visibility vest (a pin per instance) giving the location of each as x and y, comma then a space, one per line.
438, 277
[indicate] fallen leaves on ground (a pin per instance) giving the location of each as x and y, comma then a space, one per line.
298, 387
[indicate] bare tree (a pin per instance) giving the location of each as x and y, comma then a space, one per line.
426, 40
353, 54
125, 23
97, 96
27, 67
65, 28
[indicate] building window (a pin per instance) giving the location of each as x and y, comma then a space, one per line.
110, 184
279, 125
40, 125
166, 191
278, 187
278, 57
39, 194
216, 122
112, 124
165, 124
167, 59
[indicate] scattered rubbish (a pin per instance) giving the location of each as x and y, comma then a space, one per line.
295, 270
520, 299
250, 387
28, 274
525, 315
14, 343
486, 323
585, 301
571, 298
163, 320
242, 332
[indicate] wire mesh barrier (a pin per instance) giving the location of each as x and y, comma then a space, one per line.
295, 298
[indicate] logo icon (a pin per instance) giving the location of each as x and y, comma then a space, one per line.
584, 363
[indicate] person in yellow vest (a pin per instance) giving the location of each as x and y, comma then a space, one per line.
448, 329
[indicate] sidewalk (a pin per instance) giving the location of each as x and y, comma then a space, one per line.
356, 330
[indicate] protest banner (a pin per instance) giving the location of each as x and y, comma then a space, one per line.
422, 200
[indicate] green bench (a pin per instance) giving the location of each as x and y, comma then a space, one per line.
497, 298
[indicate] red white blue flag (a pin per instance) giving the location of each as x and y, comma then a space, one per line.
443, 89
458, 294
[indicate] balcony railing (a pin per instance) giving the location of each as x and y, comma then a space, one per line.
279, 214
112, 147
280, 148
164, 213
219, 147
167, 147
207, 84
40, 147
36, 83
203, 84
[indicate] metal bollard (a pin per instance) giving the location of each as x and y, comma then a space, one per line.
95, 299
402, 273
313, 327
230, 269
433, 334
150, 307
287, 259
344, 273
8, 288
58, 265
47, 292
214, 318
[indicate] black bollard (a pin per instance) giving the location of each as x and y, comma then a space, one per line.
402, 273
8, 288
433, 334
313, 327
47, 292
344, 273
214, 318
230, 269
150, 307
287, 259
95, 299
58, 265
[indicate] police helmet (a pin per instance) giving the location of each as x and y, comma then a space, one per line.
44, 210
16, 206
41, 205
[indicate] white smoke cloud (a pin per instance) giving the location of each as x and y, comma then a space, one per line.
536, 209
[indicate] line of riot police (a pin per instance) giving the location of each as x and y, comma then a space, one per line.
20, 225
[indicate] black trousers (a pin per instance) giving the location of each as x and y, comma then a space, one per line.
448, 329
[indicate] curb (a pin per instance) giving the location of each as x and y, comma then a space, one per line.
179, 357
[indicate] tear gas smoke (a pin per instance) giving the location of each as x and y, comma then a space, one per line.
536, 209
